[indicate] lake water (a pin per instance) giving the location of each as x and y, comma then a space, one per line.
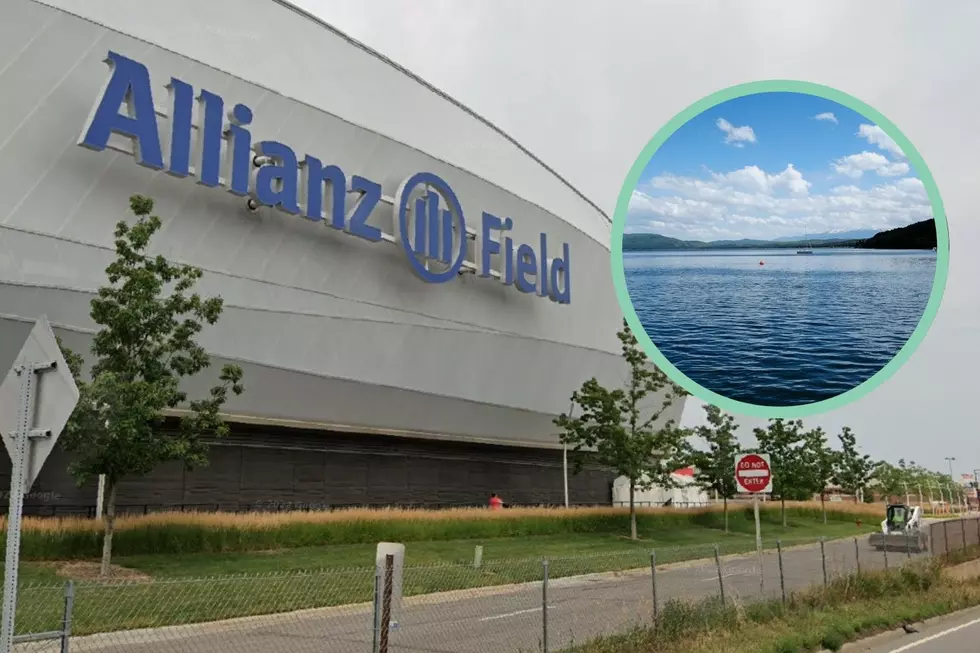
793, 331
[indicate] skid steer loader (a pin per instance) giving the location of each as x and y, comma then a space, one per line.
901, 531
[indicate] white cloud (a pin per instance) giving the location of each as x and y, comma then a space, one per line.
737, 136
751, 203
876, 136
855, 165
828, 116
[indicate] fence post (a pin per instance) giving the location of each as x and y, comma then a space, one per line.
653, 576
823, 560
857, 555
66, 619
782, 578
945, 537
544, 606
721, 582
386, 603
884, 550
963, 531
377, 610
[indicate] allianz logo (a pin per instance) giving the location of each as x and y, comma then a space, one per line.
214, 145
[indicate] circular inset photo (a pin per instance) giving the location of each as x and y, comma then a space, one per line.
780, 249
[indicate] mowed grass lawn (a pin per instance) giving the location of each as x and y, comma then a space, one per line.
191, 588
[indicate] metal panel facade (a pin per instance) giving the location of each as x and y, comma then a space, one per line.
334, 332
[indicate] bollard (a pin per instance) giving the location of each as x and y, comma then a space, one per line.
823, 560
66, 619
478, 557
721, 582
653, 577
544, 606
782, 578
857, 555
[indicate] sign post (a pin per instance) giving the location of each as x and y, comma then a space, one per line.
753, 475
37, 397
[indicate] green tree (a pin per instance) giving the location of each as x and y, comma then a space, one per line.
148, 319
715, 466
624, 429
892, 480
821, 463
792, 479
854, 470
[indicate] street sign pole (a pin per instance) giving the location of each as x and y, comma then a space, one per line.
29, 374
758, 545
37, 397
753, 474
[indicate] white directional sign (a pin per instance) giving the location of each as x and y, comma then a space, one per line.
54, 397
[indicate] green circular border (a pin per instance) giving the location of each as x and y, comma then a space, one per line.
619, 272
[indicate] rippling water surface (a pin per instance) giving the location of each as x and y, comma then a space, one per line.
793, 331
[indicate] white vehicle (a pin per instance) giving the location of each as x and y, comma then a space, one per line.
901, 530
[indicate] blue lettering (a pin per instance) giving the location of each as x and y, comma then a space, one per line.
488, 246
181, 116
507, 274
561, 278
370, 195
315, 179
526, 264
543, 274
209, 138
125, 107
239, 150
276, 183
129, 84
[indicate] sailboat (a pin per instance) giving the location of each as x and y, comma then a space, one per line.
809, 247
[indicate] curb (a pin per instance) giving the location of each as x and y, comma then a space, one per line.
895, 634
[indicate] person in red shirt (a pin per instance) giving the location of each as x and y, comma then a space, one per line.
496, 503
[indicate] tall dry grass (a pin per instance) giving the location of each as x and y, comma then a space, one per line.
275, 520
178, 532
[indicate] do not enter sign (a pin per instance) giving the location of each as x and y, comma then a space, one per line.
753, 473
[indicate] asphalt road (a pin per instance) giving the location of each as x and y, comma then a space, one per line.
950, 635
503, 619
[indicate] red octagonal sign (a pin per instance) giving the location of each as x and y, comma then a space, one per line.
753, 473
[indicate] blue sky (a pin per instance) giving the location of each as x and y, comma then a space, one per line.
774, 164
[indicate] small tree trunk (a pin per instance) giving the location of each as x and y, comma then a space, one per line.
725, 503
782, 507
110, 525
823, 506
633, 534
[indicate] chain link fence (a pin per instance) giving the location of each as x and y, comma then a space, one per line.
486, 605
951, 535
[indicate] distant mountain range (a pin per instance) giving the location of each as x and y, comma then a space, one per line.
650, 242
856, 234
921, 235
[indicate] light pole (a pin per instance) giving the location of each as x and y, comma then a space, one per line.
949, 460
564, 457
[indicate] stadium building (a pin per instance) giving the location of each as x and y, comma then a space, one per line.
412, 294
